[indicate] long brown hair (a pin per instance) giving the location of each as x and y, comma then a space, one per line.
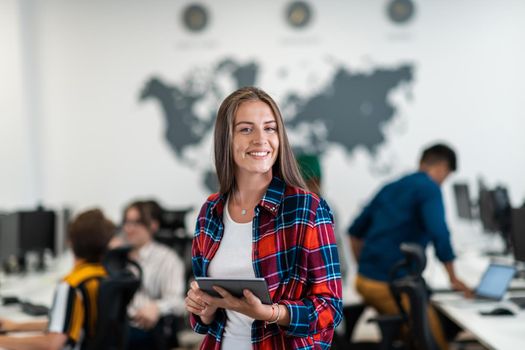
285, 166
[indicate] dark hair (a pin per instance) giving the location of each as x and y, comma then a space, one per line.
89, 234
155, 210
285, 165
439, 153
149, 211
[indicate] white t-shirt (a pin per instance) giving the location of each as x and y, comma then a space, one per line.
234, 259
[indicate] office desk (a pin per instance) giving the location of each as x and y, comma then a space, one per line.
35, 287
494, 332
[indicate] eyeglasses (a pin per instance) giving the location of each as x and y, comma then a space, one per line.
134, 223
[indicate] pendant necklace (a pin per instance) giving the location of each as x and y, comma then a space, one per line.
243, 211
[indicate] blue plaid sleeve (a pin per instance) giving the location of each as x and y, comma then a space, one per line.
321, 309
197, 265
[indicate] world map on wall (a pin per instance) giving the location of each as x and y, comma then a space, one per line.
350, 111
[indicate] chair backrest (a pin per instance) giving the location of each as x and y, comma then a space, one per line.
414, 287
173, 233
115, 293
417, 319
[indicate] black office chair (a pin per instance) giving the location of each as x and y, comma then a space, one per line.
166, 331
115, 293
172, 233
414, 287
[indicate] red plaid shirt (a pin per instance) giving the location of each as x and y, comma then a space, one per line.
294, 249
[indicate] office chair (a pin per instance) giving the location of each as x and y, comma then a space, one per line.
414, 287
115, 293
166, 331
172, 233
389, 327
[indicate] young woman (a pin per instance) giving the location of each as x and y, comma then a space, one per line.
263, 223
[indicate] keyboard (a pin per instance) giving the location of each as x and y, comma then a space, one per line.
8, 300
33, 309
520, 301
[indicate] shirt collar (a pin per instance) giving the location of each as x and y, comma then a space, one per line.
145, 250
271, 200
425, 174
80, 264
274, 196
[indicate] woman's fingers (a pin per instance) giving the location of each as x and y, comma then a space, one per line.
251, 298
194, 285
198, 304
193, 310
223, 292
196, 297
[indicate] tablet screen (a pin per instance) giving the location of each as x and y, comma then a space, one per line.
236, 286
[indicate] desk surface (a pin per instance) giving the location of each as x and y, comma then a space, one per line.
34, 287
494, 332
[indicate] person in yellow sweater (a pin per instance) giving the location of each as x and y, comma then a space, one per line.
73, 316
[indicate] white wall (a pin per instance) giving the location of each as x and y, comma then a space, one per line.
17, 175
100, 146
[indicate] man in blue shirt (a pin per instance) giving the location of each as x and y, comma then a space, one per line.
407, 210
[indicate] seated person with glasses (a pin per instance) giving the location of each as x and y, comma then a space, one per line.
163, 286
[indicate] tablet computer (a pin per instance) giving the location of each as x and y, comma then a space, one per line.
235, 286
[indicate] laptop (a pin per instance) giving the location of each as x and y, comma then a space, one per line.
495, 282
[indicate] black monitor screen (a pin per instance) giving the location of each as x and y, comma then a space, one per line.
518, 233
487, 211
174, 219
37, 230
463, 205
502, 208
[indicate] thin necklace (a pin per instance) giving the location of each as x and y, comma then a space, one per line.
243, 211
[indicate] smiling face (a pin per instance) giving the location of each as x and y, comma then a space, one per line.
255, 143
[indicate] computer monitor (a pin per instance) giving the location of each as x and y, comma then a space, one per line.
494, 213
8, 237
494, 209
486, 211
36, 230
502, 209
463, 203
518, 233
